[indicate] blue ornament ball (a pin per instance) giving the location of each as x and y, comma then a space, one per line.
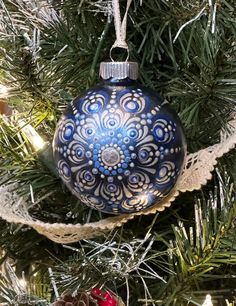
119, 147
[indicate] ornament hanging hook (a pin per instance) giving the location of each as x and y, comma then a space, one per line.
113, 47
120, 27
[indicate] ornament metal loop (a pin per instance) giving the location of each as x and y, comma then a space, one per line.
121, 47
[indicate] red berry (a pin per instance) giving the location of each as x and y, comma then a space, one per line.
107, 303
108, 299
96, 293
107, 295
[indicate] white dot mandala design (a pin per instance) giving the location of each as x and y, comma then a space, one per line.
85, 179
117, 150
66, 129
147, 155
166, 172
137, 181
64, 171
91, 201
112, 120
136, 203
163, 131
77, 152
132, 102
93, 103
88, 129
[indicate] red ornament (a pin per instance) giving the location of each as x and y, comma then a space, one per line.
104, 298
96, 293
110, 302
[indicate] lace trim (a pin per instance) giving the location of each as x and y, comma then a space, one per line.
196, 173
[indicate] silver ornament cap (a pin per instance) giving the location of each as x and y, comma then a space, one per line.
119, 70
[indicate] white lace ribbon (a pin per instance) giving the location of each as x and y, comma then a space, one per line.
196, 173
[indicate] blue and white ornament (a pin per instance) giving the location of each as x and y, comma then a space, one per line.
119, 147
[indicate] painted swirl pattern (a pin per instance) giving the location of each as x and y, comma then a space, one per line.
119, 149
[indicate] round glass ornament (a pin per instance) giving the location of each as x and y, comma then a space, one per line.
119, 147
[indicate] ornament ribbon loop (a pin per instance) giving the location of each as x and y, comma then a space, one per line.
120, 26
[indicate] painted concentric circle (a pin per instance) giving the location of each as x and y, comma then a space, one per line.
133, 102
64, 170
66, 130
93, 103
163, 130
